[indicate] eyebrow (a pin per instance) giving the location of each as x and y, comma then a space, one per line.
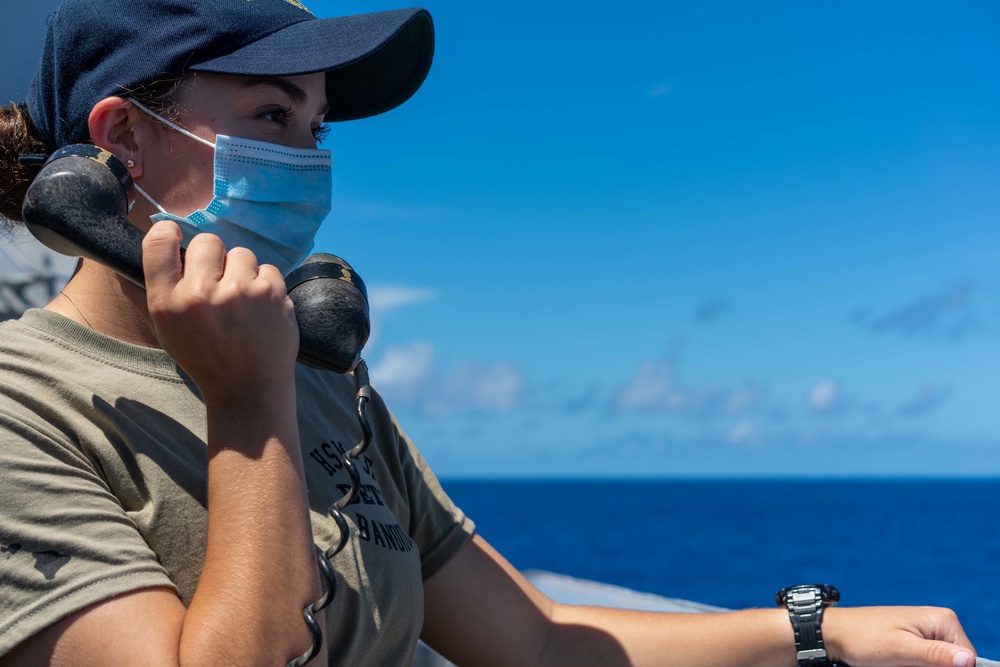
294, 93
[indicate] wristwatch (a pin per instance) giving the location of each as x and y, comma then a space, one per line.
805, 604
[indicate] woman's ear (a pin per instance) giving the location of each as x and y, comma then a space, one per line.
113, 123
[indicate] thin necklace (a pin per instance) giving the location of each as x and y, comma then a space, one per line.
77, 309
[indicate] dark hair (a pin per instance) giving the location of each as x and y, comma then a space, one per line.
18, 136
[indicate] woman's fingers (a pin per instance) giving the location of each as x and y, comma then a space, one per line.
936, 653
204, 259
225, 319
943, 639
241, 264
161, 259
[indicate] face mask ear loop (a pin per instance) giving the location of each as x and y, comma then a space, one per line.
148, 198
171, 124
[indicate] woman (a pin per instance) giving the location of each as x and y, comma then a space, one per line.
165, 465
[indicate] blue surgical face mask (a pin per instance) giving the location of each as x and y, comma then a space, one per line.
267, 197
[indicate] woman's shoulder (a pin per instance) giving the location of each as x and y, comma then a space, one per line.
61, 377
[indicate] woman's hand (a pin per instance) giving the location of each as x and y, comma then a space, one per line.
896, 637
225, 319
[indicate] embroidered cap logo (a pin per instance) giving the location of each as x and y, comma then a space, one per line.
295, 3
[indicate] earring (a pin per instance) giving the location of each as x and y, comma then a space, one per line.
130, 163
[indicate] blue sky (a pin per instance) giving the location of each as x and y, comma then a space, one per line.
694, 239
688, 238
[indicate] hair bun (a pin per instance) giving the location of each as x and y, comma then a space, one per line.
17, 137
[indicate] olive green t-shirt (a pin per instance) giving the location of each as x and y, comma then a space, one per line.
103, 487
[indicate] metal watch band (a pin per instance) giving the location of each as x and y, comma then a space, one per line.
805, 610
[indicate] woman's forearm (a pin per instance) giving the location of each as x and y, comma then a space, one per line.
260, 569
597, 636
227, 321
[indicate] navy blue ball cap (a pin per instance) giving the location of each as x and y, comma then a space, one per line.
101, 48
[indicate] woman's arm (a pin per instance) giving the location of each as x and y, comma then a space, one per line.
232, 328
480, 611
230, 325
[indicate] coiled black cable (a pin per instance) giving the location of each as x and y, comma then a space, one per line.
328, 574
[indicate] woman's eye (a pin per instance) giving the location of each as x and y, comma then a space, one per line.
321, 133
280, 116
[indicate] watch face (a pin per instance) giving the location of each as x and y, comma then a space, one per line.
829, 594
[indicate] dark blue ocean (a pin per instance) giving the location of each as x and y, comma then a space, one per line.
734, 543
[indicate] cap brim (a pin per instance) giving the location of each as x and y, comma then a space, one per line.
374, 62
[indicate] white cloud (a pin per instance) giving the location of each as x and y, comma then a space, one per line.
403, 371
383, 298
407, 376
486, 386
743, 432
826, 397
650, 389
654, 388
